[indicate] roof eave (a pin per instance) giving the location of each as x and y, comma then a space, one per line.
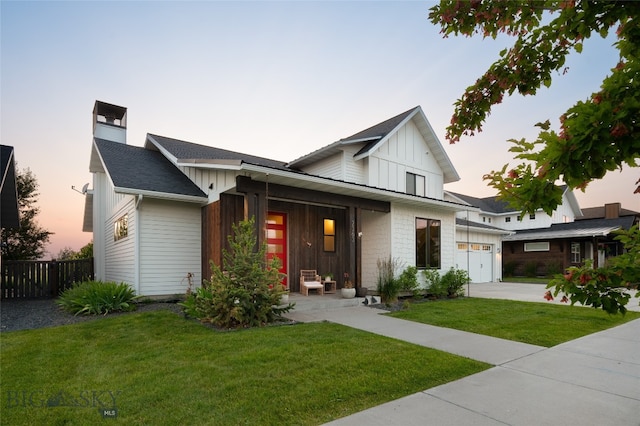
162, 195
360, 190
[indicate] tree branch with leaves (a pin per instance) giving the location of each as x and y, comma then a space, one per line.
597, 135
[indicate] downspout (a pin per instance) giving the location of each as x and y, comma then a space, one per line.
136, 255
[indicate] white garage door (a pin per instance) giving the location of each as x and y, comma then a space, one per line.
480, 261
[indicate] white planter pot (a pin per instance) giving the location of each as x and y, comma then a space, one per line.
284, 299
348, 293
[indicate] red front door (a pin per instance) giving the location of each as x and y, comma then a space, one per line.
277, 240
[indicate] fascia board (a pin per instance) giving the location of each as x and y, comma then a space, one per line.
361, 190
162, 195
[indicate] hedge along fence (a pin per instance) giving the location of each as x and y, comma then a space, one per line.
35, 279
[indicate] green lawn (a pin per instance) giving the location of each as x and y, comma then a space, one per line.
159, 368
535, 323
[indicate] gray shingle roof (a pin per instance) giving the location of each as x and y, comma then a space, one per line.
145, 170
188, 151
582, 228
598, 212
487, 204
378, 131
465, 222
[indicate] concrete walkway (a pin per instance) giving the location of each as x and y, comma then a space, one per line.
594, 380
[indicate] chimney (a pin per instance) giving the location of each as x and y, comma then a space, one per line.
110, 122
612, 210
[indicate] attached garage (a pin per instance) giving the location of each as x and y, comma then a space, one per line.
478, 250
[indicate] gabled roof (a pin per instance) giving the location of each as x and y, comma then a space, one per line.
487, 204
379, 131
497, 206
577, 229
481, 227
136, 170
10, 217
598, 213
375, 136
188, 153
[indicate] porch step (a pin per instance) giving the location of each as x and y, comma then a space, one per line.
327, 302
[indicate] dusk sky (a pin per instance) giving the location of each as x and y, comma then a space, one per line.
275, 79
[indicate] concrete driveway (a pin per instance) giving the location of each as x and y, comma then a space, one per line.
524, 292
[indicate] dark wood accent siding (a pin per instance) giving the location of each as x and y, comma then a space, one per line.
306, 249
217, 220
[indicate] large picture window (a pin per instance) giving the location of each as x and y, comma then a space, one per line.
428, 243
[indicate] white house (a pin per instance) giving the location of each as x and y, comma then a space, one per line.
160, 212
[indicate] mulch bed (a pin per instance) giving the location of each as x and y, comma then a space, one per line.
31, 314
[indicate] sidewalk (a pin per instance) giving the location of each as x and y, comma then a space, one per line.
591, 380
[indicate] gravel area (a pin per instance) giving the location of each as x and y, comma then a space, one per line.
31, 314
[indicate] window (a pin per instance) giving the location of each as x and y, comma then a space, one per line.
538, 246
415, 184
121, 228
575, 253
520, 218
507, 219
532, 216
484, 219
427, 243
329, 233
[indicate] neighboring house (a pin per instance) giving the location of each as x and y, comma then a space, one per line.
561, 245
163, 211
498, 227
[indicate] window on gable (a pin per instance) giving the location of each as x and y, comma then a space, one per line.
507, 219
329, 234
415, 184
532, 216
428, 243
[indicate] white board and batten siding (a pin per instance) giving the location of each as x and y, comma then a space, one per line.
404, 152
169, 246
219, 180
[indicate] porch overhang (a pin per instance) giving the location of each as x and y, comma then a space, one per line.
332, 187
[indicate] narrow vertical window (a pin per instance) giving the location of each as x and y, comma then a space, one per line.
575, 253
428, 243
329, 233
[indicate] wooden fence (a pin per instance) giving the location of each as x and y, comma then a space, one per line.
34, 279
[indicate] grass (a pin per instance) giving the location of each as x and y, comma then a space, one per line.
535, 323
159, 368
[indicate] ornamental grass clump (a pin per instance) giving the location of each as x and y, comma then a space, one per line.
97, 298
388, 285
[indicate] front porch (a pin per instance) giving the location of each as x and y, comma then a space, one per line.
327, 302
